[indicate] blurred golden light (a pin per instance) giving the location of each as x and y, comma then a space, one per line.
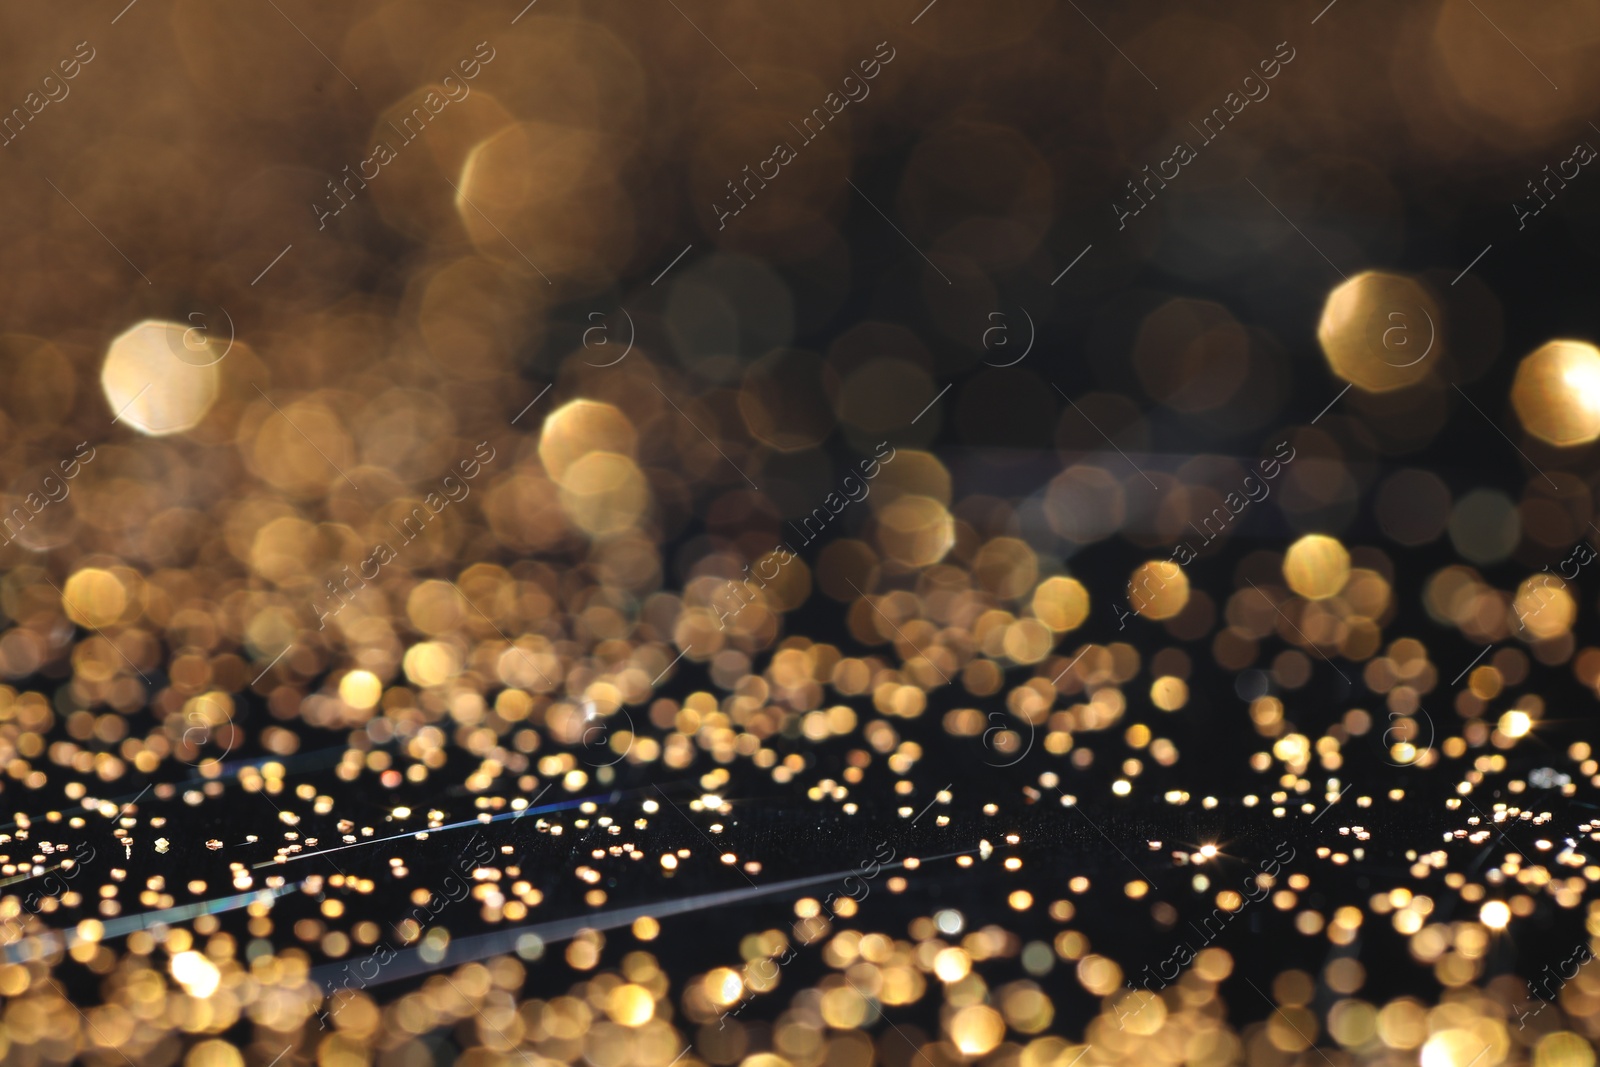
604, 493
197, 974
1380, 331
94, 598
580, 427
1169, 693
952, 965
724, 986
1529, 110
283, 547
1316, 567
916, 531
1027, 641
299, 446
465, 316
1005, 567
918, 473
1452, 1048
842, 1008
1098, 974
206, 714
524, 638
1557, 393
1158, 589
1563, 1049
431, 663
149, 386
1544, 606
543, 197
360, 689
631, 1005
1402, 1024
435, 607
977, 1029
1061, 603
1516, 723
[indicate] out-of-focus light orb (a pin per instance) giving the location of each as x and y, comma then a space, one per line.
1158, 589
1027, 641
1316, 567
544, 198
952, 964
1516, 723
204, 717
1528, 110
1544, 607
1005, 567
215, 1053
282, 547
1496, 915
1061, 603
912, 472
360, 689
724, 986
1452, 1048
842, 1009
604, 493
977, 1029
580, 427
94, 598
1144, 1012
916, 530
1380, 332
631, 1005
1563, 1049
1557, 393
155, 382
431, 663
435, 607
197, 974
1169, 693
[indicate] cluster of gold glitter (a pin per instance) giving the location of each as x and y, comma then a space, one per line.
450, 510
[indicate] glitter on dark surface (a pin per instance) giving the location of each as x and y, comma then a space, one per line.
799, 536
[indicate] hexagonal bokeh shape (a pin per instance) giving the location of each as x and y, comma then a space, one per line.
1557, 393
1380, 332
